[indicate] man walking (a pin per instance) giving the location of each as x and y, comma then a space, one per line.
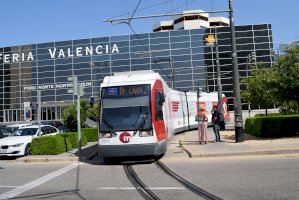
216, 123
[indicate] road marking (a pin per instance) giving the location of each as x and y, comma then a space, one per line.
8, 186
133, 188
28, 186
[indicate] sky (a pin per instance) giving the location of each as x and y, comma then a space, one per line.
38, 21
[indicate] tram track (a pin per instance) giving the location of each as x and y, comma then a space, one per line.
190, 186
145, 192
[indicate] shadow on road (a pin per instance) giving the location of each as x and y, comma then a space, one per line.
90, 155
8, 158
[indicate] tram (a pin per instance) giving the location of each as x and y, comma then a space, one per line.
139, 113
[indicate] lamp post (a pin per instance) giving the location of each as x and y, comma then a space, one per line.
110, 63
219, 86
239, 132
198, 92
212, 40
92, 65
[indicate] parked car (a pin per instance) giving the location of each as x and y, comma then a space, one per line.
15, 127
18, 143
57, 124
4, 131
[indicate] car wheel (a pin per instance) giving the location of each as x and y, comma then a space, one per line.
27, 150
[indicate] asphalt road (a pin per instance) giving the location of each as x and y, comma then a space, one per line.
250, 177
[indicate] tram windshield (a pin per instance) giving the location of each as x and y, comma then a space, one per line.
125, 108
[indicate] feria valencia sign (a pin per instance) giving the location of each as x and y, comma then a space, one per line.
61, 53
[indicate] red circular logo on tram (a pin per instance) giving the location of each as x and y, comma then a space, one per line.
125, 137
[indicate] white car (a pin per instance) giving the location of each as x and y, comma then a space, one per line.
18, 143
15, 127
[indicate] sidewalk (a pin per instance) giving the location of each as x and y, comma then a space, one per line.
251, 146
88, 151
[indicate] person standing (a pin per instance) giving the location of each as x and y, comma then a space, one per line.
216, 123
203, 126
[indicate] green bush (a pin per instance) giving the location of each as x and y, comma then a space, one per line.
50, 145
273, 126
91, 134
269, 114
72, 137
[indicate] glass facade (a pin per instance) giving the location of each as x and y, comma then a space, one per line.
46, 67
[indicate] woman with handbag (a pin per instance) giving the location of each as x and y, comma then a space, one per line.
202, 117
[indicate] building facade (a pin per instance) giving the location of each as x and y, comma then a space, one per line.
189, 20
46, 67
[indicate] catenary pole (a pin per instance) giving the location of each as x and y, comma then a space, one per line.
239, 132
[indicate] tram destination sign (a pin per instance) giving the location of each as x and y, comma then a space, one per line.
126, 90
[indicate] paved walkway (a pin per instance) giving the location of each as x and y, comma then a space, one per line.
251, 146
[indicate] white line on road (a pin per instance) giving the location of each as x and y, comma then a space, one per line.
8, 186
133, 188
28, 186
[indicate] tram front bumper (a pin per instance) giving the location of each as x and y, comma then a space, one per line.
128, 150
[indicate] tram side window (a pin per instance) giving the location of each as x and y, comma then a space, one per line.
158, 105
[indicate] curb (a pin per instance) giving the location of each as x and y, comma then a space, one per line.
32, 159
250, 153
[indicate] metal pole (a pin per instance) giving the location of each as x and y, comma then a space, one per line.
219, 86
78, 121
213, 66
239, 132
247, 63
39, 111
110, 65
91, 80
207, 80
197, 103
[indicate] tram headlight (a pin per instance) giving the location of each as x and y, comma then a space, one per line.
106, 135
145, 133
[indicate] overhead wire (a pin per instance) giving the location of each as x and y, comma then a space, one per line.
179, 7
154, 58
144, 8
143, 45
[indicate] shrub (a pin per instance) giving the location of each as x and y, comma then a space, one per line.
50, 145
273, 126
269, 114
91, 134
72, 137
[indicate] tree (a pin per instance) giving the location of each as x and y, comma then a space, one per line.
70, 114
94, 112
258, 88
286, 82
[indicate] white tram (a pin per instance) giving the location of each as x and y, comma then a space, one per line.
139, 113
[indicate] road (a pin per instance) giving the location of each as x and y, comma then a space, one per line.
249, 177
